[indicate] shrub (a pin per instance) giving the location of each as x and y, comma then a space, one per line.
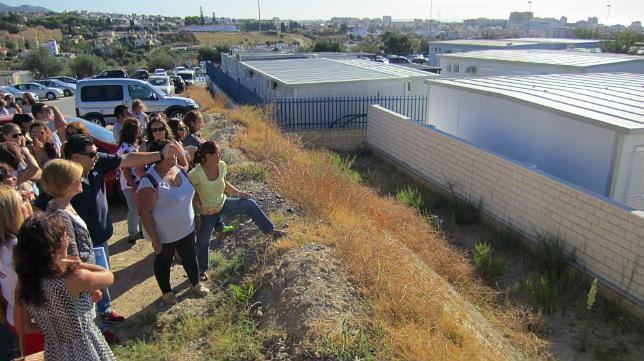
410, 197
344, 164
250, 170
486, 262
544, 292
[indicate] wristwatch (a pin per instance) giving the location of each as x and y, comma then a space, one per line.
161, 156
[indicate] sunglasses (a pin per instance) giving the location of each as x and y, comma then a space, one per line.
69, 134
90, 154
17, 135
160, 129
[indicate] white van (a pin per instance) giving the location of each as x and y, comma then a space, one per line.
97, 98
189, 77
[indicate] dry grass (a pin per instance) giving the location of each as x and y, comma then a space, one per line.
249, 38
406, 269
207, 102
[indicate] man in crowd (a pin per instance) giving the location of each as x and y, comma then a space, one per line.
92, 205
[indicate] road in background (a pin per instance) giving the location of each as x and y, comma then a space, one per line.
67, 105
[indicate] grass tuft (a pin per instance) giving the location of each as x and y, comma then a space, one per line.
410, 197
486, 262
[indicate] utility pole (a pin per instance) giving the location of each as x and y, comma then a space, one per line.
527, 31
259, 11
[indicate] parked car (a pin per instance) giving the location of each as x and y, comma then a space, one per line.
141, 74
160, 72
179, 84
396, 59
178, 69
109, 74
65, 79
188, 76
17, 94
68, 89
97, 98
42, 91
381, 59
162, 83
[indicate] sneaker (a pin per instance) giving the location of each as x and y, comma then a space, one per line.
200, 290
169, 298
132, 239
203, 277
112, 317
111, 338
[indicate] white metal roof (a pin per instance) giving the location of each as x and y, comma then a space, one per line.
320, 70
483, 42
557, 40
610, 100
551, 57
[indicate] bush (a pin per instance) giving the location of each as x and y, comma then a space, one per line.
85, 65
160, 60
544, 292
410, 197
344, 164
486, 262
40, 62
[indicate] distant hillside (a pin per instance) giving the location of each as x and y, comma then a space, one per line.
23, 9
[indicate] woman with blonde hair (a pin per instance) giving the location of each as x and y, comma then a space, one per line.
14, 212
62, 179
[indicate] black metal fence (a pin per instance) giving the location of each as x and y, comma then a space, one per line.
318, 113
342, 112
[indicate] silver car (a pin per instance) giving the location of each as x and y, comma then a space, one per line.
68, 89
17, 94
42, 91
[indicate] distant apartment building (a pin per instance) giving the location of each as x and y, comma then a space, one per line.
465, 45
386, 21
534, 62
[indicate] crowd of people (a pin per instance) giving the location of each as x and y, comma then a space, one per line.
55, 222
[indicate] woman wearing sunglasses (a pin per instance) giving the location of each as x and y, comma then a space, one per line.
157, 130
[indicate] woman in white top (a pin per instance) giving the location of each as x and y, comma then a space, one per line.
14, 212
165, 201
129, 141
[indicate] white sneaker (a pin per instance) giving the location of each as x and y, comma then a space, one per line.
169, 298
200, 290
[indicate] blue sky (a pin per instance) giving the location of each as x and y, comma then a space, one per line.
621, 11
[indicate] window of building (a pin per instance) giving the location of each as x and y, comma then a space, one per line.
471, 69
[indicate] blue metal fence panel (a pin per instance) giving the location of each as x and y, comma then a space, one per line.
317, 113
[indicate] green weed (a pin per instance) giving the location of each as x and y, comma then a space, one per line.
411, 197
543, 291
250, 170
344, 164
486, 262
355, 344
243, 293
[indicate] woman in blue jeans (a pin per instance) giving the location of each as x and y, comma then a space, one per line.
209, 179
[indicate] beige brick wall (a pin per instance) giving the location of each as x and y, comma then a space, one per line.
608, 238
338, 139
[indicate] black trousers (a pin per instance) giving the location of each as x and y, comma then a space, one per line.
163, 261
